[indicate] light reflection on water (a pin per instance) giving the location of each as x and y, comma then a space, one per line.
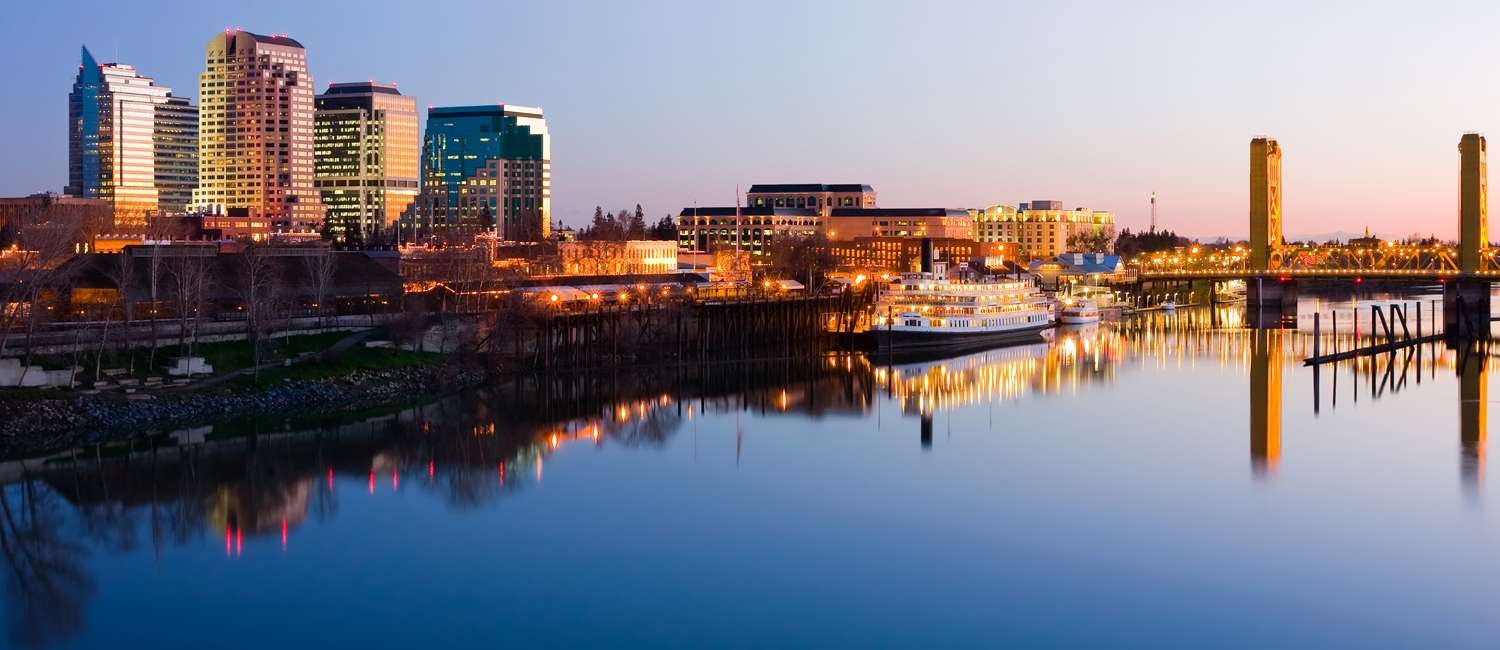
1176, 478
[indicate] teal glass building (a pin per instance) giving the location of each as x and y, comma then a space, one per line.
485, 168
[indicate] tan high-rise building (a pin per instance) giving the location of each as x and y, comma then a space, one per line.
255, 133
112, 118
367, 158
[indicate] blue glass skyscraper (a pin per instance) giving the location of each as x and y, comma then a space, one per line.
83, 129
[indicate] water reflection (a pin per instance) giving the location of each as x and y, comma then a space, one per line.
1266, 365
220, 485
1473, 409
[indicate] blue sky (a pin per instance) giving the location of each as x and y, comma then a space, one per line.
935, 104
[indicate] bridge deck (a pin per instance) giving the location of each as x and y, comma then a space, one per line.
1318, 274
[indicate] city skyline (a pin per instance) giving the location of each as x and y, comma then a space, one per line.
1094, 106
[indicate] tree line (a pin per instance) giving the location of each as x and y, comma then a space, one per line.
626, 225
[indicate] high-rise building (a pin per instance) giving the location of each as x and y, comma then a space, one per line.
176, 140
255, 132
366, 158
486, 168
111, 153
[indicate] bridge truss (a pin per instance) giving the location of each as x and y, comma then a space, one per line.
1388, 259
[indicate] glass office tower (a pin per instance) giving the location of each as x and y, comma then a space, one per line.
111, 152
486, 168
176, 138
366, 151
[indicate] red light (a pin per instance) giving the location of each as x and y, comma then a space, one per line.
395, 480
330, 478
502, 474
283, 533
228, 542
1358, 280
431, 469
372, 481
239, 541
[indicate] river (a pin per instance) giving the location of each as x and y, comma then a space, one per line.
1174, 480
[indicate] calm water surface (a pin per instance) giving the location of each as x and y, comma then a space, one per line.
1171, 481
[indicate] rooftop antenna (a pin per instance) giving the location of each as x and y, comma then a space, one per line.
1153, 212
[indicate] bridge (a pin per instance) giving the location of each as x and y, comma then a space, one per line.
1272, 268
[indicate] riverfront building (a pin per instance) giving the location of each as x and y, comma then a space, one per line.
636, 257
1088, 268
366, 158
1040, 228
255, 137
811, 196
112, 114
76, 219
851, 223
176, 139
874, 255
751, 230
485, 168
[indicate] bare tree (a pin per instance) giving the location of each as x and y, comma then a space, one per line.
259, 286
154, 268
27, 271
320, 269
122, 273
190, 275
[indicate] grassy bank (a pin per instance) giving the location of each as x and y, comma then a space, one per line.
307, 355
328, 365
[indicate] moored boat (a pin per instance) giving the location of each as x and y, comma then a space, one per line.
1078, 311
927, 312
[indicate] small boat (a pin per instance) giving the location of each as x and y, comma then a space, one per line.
1077, 311
1168, 306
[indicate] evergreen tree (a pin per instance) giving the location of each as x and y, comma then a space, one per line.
635, 228
598, 229
665, 230
1131, 244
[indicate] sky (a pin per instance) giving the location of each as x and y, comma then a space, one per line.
935, 104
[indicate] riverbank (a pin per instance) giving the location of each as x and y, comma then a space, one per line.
36, 422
